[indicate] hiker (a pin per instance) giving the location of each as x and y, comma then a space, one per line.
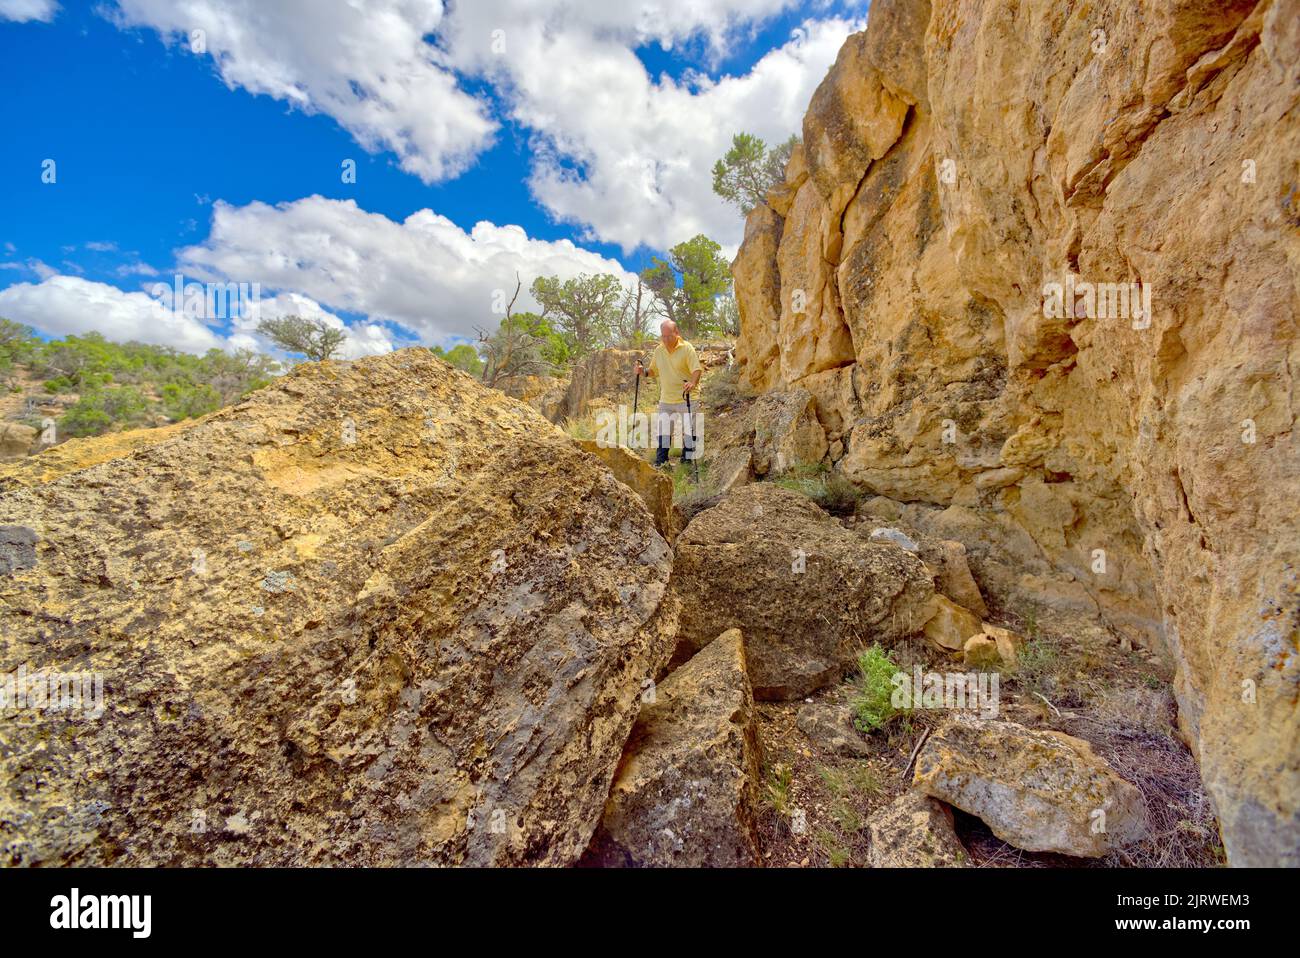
678, 368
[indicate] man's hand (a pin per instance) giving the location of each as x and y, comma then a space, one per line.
687, 386
640, 370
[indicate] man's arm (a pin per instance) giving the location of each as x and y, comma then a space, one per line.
696, 372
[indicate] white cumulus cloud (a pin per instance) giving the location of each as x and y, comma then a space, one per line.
24, 10
646, 148
624, 155
61, 305
367, 65
424, 273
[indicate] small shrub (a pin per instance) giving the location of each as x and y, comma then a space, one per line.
721, 389
1037, 664
188, 401
873, 705
837, 855
691, 503
684, 483
583, 428
99, 410
846, 817
864, 779
859, 779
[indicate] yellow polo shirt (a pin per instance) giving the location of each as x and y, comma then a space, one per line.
672, 368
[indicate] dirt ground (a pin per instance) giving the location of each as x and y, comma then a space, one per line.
1119, 701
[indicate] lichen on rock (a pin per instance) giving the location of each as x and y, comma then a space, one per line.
376, 614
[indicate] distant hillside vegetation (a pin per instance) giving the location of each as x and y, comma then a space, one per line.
89, 386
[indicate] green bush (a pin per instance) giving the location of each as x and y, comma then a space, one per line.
117, 382
873, 705
189, 400
101, 409
463, 356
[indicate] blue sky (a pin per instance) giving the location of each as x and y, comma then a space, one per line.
154, 142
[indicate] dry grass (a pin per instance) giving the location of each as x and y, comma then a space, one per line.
828, 489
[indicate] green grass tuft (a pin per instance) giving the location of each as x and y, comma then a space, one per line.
777, 788
828, 489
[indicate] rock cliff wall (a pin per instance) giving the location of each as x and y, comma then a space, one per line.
1037, 264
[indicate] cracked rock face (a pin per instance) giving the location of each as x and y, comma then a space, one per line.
686, 792
376, 614
915, 831
963, 165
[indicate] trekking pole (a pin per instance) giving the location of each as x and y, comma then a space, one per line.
690, 418
636, 398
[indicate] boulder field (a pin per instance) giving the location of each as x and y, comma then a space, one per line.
379, 614
1029, 285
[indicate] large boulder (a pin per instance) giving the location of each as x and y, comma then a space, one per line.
376, 614
686, 792
786, 432
806, 593
653, 486
1040, 790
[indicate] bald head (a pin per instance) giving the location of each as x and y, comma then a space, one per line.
668, 334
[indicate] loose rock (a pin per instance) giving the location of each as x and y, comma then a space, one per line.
1040, 790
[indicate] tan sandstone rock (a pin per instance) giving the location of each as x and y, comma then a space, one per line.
805, 592
980, 652
949, 625
786, 432
1039, 790
686, 792
952, 574
16, 439
732, 468
375, 614
948, 187
653, 486
915, 831
606, 377
830, 725
546, 394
